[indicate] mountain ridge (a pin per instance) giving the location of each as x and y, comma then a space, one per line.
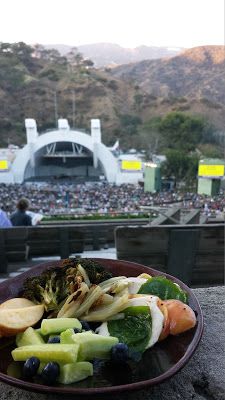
195, 73
124, 98
111, 54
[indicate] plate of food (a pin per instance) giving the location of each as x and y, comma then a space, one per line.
95, 326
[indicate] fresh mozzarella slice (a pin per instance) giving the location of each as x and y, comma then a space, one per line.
157, 317
134, 284
138, 301
157, 320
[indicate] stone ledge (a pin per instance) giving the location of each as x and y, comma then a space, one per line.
203, 378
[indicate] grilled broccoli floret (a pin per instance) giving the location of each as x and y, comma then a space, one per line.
95, 271
55, 284
48, 289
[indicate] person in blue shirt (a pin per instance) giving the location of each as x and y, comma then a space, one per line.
19, 217
4, 220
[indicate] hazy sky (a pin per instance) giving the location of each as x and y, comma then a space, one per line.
130, 23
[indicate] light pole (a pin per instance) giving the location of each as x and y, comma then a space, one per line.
56, 109
73, 108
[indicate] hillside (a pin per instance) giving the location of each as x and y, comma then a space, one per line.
42, 87
45, 85
192, 81
110, 54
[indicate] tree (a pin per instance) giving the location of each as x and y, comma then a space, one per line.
88, 63
74, 56
18, 53
39, 49
129, 123
23, 52
181, 131
5, 48
176, 164
138, 100
180, 165
209, 150
150, 137
192, 170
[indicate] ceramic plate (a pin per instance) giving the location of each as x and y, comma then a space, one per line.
157, 364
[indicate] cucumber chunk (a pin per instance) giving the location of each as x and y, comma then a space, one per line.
71, 373
66, 337
29, 337
44, 337
57, 325
64, 353
92, 345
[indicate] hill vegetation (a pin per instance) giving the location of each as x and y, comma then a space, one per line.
175, 104
42, 84
192, 82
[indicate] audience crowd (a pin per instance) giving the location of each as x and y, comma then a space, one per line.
100, 197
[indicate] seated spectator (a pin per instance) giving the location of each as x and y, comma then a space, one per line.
4, 221
35, 217
19, 217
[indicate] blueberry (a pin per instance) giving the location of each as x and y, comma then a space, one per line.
120, 353
76, 330
54, 339
93, 325
50, 373
85, 326
30, 367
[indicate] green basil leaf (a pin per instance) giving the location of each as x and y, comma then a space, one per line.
136, 310
163, 288
134, 330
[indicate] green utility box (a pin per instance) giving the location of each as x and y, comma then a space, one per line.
210, 175
209, 187
152, 178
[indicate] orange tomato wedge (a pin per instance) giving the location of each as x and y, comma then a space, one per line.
166, 324
181, 316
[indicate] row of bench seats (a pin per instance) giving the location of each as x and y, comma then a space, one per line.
21, 243
193, 253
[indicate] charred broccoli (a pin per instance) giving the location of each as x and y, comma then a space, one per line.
94, 270
54, 285
49, 289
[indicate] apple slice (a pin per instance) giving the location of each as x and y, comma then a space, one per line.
16, 302
15, 320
